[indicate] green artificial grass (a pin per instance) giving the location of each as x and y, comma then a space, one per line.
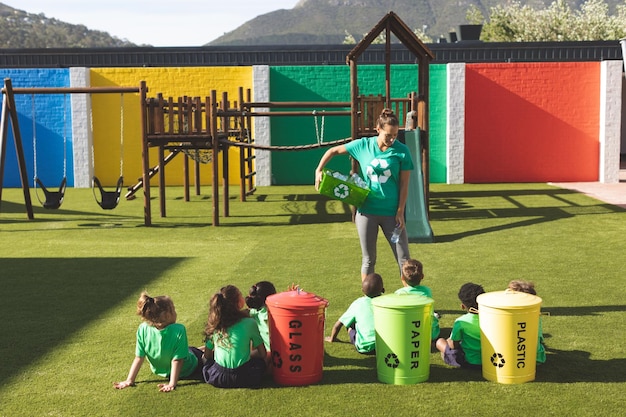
71, 277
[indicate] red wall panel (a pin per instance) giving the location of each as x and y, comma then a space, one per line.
532, 122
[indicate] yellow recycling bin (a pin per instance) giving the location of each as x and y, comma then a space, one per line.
509, 328
403, 325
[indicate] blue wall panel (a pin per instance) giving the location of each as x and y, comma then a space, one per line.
49, 117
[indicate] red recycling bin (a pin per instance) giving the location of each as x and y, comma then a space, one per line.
296, 324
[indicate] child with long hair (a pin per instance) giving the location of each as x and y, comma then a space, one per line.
164, 343
234, 347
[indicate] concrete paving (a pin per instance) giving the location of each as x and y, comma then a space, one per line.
614, 193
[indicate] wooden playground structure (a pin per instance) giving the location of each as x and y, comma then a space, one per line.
199, 128
195, 125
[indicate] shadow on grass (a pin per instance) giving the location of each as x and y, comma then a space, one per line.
516, 207
46, 300
577, 366
106, 218
299, 208
16, 208
458, 205
582, 310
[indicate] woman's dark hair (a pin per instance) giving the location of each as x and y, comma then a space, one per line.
258, 293
387, 117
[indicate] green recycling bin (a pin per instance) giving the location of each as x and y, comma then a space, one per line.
403, 326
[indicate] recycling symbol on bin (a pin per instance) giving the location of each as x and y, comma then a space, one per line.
497, 360
392, 360
276, 359
341, 191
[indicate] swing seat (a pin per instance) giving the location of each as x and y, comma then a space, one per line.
54, 199
108, 199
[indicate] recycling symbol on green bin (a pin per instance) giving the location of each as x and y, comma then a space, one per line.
497, 360
392, 360
341, 191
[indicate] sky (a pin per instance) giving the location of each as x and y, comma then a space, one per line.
155, 22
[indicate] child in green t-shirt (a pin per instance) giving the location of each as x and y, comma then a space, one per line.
258, 310
412, 275
359, 317
234, 347
164, 342
462, 348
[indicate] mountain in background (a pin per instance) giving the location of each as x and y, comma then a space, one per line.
309, 22
20, 29
327, 21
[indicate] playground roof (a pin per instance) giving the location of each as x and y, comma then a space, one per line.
391, 23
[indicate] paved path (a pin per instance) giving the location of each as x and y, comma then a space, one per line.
609, 193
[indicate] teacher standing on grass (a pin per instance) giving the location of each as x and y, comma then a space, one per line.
385, 165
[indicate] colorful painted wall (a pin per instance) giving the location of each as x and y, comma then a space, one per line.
513, 122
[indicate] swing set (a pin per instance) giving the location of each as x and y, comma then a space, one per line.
53, 199
110, 199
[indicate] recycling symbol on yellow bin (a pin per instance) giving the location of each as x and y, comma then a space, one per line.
497, 360
341, 191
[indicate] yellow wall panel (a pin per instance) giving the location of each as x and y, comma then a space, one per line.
110, 109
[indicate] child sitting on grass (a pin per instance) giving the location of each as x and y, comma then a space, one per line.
529, 288
233, 345
258, 310
462, 348
359, 317
412, 276
164, 343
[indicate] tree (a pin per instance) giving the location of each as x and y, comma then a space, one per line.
557, 22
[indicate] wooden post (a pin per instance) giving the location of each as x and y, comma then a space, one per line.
196, 167
423, 125
226, 132
145, 158
9, 109
250, 153
186, 177
242, 151
216, 149
387, 67
162, 180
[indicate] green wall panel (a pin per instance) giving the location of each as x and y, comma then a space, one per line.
332, 83
437, 123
